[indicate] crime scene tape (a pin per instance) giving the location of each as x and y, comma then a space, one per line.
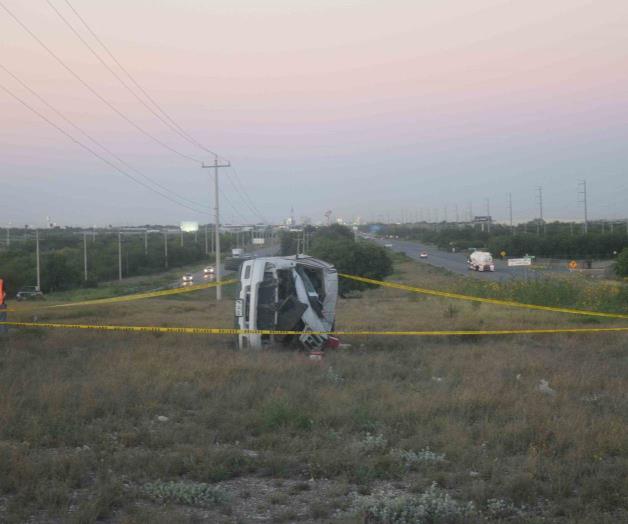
234, 331
129, 298
496, 301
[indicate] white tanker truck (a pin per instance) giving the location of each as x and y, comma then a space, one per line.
481, 261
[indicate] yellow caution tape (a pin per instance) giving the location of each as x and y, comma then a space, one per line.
458, 296
233, 331
129, 298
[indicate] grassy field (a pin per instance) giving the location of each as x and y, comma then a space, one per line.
128, 428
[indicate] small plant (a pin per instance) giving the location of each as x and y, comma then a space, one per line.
433, 506
372, 443
190, 493
411, 459
500, 508
333, 376
451, 311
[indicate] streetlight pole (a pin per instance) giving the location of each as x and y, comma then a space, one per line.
38, 262
583, 183
85, 253
166, 248
512, 230
216, 166
119, 255
206, 241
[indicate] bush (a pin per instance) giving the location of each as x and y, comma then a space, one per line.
190, 493
432, 506
355, 258
621, 266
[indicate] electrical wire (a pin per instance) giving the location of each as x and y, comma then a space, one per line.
166, 118
96, 142
96, 154
182, 131
93, 91
116, 75
174, 126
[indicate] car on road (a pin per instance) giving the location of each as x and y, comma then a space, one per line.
209, 270
387, 245
423, 254
188, 277
29, 293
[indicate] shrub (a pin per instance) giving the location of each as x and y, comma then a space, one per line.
433, 506
190, 493
355, 258
621, 266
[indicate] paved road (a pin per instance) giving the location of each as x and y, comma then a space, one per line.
455, 262
200, 277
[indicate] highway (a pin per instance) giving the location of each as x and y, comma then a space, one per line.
454, 262
199, 277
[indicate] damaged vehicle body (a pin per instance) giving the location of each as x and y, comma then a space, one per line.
297, 293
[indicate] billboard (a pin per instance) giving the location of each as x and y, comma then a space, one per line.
189, 227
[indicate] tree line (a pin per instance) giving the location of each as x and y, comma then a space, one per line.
62, 263
337, 245
555, 240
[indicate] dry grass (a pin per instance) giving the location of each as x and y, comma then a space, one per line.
287, 439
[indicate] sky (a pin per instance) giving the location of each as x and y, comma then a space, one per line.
374, 109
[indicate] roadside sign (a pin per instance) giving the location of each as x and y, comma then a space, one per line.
258, 241
519, 262
503, 254
573, 264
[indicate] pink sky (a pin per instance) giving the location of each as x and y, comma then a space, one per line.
390, 104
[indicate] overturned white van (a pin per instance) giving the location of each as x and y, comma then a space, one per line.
286, 294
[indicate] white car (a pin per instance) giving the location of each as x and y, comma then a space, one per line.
423, 254
188, 277
387, 245
209, 270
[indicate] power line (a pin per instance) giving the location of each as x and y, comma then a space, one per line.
94, 141
244, 196
166, 118
95, 153
93, 91
116, 75
182, 131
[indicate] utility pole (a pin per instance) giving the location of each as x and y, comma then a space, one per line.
181, 237
38, 262
488, 213
216, 166
119, 255
166, 248
146, 242
85, 253
540, 220
583, 193
206, 241
512, 230
9, 236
